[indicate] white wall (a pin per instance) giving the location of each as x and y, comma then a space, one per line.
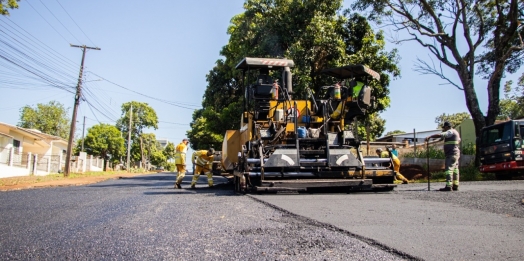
6, 171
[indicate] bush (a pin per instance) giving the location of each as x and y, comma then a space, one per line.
467, 173
433, 151
170, 166
438, 176
137, 170
472, 173
469, 149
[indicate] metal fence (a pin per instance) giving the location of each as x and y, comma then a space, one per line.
41, 163
56, 165
20, 159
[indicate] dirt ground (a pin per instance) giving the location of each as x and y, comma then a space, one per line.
28, 182
413, 172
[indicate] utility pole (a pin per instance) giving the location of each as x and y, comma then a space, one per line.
83, 130
129, 136
75, 108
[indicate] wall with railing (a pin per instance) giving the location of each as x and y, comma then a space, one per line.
14, 164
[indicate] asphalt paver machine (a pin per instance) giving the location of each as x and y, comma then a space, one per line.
288, 144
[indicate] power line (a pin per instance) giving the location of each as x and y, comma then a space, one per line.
176, 104
75, 22
47, 22
176, 123
59, 21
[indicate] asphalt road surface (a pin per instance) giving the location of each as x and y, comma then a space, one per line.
482, 221
144, 218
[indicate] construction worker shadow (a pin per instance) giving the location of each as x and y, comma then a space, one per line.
223, 189
148, 180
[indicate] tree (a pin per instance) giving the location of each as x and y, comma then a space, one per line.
143, 116
512, 106
106, 141
12, 4
151, 149
455, 119
371, 128
169, 151
48, 118
389, 133
462, 35
312, 33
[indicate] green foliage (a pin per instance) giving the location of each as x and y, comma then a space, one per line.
137, 170
467, 173
142, 116
455, 119
469, 149
484, 37
203, 134
104, 140
48, 118
472, 173
169, 151
170, 166
389, 133
158, 158
11, 4
512, 106
151, 149
374, 124
433, 151
438, 176
314, 34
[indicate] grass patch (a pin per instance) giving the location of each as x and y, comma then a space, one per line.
467, 173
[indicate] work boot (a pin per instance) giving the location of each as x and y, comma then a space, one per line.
455, 188
193, 186
446, 188
405, 181
178, 186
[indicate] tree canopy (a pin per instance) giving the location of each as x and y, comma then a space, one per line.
106, 141
315, 34
389, 133
469, 37
512, 106
455, 119
142, 116
9, 4
51, 118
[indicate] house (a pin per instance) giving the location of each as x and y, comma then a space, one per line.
163, 142
467, 132
29, 152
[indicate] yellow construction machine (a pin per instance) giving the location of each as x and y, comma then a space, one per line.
287, 144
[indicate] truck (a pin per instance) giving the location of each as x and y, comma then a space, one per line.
290, 144
501, 149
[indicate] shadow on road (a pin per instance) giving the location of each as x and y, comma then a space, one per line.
217, 190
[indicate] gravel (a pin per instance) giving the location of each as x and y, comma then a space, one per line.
499, 197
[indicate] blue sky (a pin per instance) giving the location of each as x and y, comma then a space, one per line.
164, 49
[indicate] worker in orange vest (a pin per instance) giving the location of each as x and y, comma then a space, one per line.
203, 161
180, 162
396, 164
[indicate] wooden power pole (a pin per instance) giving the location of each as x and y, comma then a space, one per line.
75, 108
129, 137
